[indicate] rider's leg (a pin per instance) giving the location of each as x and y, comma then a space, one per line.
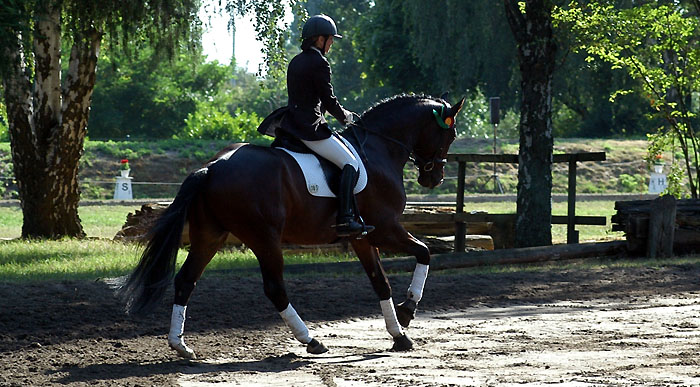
336, 152
333, 150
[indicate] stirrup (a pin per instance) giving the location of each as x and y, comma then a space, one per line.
366, 229
348, 228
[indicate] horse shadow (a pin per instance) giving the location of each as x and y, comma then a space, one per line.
272, 364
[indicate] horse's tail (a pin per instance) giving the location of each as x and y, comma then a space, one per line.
146, 285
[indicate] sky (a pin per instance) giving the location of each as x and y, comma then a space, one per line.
217, 41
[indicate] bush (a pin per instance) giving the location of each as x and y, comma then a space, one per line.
475, 119
209, 122
630, 183
4, 130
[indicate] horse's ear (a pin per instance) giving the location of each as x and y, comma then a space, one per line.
444, 96
454, 110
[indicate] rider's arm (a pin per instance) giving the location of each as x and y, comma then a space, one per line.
324, 88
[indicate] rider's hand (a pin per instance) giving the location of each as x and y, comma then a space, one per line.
349, 117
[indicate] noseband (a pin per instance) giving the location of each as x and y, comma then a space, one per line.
428, 165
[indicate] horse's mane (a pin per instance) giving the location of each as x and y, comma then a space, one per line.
390, 102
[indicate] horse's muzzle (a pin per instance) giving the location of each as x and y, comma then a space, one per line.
431, 179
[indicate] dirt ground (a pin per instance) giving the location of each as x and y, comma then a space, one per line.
612, 326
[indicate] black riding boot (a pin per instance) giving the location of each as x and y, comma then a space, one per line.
346, 224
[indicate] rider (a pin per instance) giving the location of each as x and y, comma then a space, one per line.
310, 95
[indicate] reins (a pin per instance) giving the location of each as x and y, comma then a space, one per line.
369, 131
420, 162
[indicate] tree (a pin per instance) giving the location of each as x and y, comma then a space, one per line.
531, 24
47, 109
659, 46
145, 96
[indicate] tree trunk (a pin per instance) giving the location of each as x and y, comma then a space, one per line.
532, 30
47, 129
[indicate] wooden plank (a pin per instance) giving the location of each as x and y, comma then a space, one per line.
581, 220
513, 256
460, 227
662, 222
484, 217
470, 259
582, 156
482, 158
571, 233
513, 159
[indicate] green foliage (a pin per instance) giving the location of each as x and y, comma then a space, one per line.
90, 191
6, 174
629, 183
475, 119
145, 97
207, 122
4, 130
658, 46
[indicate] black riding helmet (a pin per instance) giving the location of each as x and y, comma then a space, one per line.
319, 25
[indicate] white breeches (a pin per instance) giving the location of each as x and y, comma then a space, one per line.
333, 150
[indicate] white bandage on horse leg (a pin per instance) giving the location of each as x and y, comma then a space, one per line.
415, 290
177, 328
293, 321
177, 322
392, 323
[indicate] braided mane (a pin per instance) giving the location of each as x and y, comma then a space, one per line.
390, 102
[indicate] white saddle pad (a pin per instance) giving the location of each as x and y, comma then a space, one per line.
316, 180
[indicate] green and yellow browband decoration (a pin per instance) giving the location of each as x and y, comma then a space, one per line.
447, 123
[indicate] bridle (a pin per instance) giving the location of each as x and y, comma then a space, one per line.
424, 164
428, 165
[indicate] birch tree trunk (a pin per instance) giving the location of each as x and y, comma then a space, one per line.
532, 29
47, 127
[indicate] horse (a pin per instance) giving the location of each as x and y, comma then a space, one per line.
258, 194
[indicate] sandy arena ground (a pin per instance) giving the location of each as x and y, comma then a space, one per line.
610, 326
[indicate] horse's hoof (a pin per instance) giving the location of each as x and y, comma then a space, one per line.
182, 349
405, 312
402, 343
315, 347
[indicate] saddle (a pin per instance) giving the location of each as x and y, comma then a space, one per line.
322, 176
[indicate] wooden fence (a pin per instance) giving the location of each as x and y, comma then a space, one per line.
460, 218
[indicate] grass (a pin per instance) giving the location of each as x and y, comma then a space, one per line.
99, 257
588, 208
91, 259
98, 221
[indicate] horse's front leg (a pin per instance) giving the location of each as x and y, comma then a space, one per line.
369, 257
403, 241
269, 254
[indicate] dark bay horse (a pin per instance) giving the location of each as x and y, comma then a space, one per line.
259, 195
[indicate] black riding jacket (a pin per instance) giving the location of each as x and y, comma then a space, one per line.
310, 95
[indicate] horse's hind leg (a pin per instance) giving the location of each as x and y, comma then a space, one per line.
205, 240
269, 254
369, 257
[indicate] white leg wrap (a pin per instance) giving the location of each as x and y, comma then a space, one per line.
415, 290
392, 323
293, 321
177, 321
177, 328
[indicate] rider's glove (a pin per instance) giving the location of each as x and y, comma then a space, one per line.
349, 119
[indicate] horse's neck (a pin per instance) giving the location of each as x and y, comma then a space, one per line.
387, 144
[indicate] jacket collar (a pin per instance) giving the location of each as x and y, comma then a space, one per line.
317, 50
